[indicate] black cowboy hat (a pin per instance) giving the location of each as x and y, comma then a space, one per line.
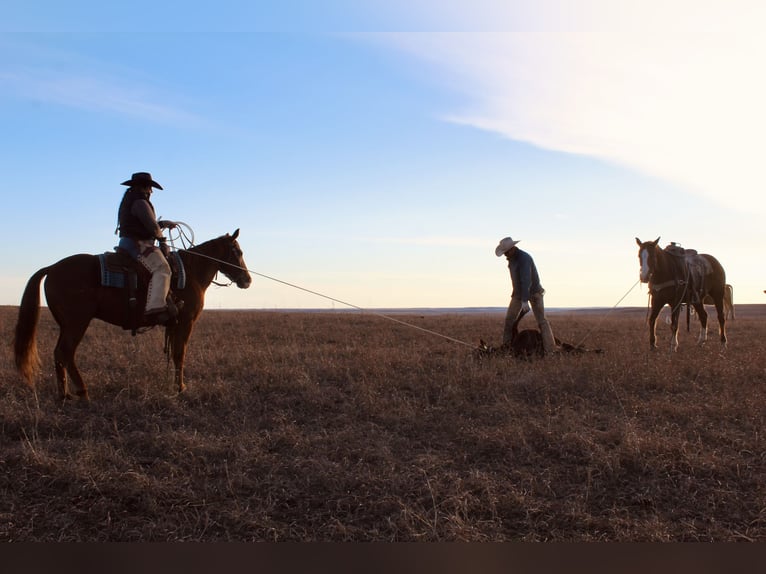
142, 178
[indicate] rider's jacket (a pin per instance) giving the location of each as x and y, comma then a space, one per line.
129, 224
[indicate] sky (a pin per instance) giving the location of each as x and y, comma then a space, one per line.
376, 151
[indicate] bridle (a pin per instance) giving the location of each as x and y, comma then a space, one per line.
236, 252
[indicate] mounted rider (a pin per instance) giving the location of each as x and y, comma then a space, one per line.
139, 229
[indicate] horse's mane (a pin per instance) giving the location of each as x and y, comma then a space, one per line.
205, 244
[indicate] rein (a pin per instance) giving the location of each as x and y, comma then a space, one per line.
185, 235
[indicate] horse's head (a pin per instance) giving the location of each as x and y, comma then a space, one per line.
232, 263
647, 254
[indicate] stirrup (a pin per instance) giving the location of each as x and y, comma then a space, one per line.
174, 307
157, 317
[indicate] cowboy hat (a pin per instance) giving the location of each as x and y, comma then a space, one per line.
142, 178
505, 244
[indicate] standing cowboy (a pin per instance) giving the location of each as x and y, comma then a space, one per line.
527, 291
139, 229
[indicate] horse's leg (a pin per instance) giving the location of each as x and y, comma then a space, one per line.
63, 354
674, 316
702, 315
653, 326
59, 361
721, 322
180, 341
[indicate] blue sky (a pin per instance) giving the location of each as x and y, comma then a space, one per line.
377, 151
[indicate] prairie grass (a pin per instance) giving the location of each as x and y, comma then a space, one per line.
348, 427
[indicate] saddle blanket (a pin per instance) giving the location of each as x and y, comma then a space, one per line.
116, 270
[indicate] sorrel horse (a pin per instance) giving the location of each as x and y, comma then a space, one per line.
75, 297
678, 276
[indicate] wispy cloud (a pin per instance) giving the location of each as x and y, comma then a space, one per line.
91, 93
680, 102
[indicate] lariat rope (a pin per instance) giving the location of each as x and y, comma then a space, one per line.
371, 312
188, 242
603, 318
185, 235
383, 315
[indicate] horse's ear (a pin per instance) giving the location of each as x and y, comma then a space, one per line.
656, 241
235, 234
638, 241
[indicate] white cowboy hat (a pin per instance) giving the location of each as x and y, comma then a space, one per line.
505, 244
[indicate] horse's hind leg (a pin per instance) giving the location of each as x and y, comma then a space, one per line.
63, 355
61, 374
719, 308
702, 315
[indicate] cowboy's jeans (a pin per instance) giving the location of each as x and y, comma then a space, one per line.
538, 309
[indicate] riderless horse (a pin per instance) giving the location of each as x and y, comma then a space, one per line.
76, 294
678, 276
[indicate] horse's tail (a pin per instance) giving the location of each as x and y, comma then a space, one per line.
24, 340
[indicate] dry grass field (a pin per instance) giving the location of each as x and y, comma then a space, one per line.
349, 427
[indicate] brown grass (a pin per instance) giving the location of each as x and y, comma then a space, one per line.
348, 427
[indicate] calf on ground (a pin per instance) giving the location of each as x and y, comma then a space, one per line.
527, 344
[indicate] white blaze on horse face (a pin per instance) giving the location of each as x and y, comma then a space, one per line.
644, 256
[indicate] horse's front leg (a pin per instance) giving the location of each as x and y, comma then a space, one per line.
674, 328
653, 327
179, 378
702, 314
180, 341
179, 353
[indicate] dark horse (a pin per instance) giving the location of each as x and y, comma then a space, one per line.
75, 297
678, 276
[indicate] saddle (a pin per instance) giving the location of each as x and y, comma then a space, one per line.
120, 271
696, 268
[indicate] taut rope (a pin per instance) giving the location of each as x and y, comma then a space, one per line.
589, 333
357, 307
